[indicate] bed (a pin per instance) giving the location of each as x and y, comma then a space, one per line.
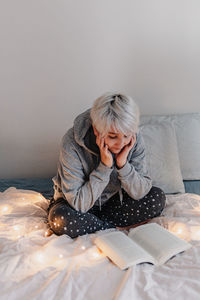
34, 265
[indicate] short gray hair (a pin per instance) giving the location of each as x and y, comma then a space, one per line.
117, 111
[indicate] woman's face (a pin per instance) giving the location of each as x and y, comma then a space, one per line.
116, 141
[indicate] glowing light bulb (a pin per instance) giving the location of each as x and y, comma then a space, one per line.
96, 255
16, 227
40, 257
5, 209
179, 231
36, 226
48, 232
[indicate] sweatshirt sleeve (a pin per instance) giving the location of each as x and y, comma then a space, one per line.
134, 176
80, 192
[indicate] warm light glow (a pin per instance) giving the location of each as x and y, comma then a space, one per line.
48, 232
19, 231
16, 227
39, 257
83, 247
180, 229
195, 233
95, 253
60, 255
5, 209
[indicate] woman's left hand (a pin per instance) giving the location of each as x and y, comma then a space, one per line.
121, 157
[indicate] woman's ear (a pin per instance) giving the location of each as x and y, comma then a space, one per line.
95, 131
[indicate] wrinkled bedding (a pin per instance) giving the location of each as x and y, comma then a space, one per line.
36, 266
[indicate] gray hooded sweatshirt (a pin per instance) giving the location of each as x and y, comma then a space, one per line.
83, 180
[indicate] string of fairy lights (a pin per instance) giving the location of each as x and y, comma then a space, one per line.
18, 231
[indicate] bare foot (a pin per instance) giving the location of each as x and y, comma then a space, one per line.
133, 226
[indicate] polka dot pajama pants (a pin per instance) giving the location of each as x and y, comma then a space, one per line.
63, 219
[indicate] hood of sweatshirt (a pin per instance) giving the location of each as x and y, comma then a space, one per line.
84, 134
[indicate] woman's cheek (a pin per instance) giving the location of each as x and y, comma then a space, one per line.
109, 143
127, 141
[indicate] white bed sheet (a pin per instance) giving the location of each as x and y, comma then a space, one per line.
33, 266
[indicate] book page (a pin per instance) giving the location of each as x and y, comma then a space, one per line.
158, 242
122, 250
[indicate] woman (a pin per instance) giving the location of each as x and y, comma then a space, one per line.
102, 181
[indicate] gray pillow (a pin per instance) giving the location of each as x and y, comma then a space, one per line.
187, 128
162, 156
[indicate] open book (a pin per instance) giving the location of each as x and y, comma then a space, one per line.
146, 243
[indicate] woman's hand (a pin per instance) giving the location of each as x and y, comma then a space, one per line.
121, 157
106, 155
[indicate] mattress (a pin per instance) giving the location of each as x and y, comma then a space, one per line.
45, 185
41, 185
36, 266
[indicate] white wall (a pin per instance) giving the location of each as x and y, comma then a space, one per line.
57, 56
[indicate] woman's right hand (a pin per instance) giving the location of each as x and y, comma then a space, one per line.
106, 155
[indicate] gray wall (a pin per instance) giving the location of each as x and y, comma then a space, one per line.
56, 57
